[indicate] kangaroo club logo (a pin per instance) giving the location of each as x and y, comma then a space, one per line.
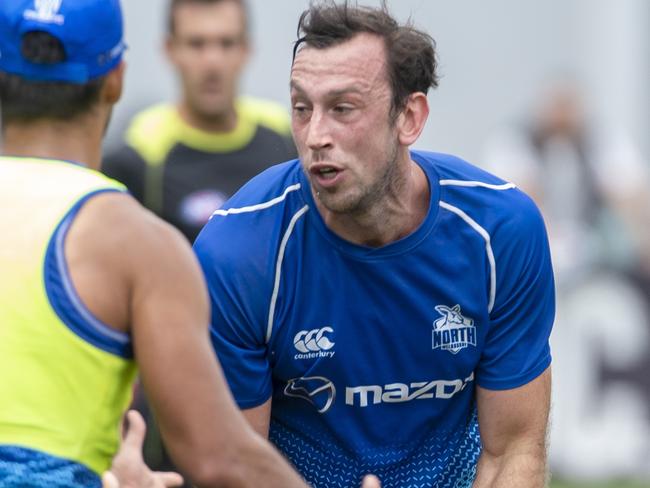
317, 390
452, 331
314, 343
46, 11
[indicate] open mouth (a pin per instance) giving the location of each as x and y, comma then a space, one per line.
327, 173
326, 176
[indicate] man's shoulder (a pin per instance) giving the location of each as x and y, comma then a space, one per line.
454, 168
478, 195
151, 132
257, 214
240, 246
152, 117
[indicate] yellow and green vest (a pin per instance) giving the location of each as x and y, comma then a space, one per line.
65, 378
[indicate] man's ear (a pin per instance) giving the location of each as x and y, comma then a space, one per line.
112, 89
412, 118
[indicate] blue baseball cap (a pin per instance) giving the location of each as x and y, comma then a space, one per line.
90, 31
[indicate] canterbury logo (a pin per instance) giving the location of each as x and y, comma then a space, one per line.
313, 340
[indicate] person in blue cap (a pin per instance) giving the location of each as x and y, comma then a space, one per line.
91, 284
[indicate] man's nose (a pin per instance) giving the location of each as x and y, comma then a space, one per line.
214, 53
318, 133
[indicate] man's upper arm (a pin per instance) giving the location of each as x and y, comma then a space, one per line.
160, 298
239, 297
513, 375
516, 415
513, 426
259, 418
169, 315
516, 349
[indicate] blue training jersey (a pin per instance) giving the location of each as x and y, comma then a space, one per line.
371, 355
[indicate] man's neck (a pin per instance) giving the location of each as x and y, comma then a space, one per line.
393, 217
48, 139
217, 123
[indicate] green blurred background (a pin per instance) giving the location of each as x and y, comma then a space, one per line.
611, 484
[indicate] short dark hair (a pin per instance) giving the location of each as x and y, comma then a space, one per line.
411, 55
174, 4
23, 100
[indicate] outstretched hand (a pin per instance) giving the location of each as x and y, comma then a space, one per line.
128, 469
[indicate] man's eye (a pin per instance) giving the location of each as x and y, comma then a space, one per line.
342, 109
196, 43
229, 43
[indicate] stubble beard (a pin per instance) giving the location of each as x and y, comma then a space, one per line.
367, 199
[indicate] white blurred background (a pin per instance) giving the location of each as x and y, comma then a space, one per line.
498, 61
496, 56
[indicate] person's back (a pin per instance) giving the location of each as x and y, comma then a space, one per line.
66, 376
91, 281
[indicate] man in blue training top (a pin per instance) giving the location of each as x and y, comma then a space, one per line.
376, 308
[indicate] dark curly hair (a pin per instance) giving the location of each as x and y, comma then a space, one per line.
411, 55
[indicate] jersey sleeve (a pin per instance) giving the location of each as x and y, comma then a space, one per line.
517, 345
236, 294
126, 166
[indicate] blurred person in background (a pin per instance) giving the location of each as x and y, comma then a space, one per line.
183, 160
91, 283
590, 183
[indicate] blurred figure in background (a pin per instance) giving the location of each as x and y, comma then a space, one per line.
183, 161
591, 185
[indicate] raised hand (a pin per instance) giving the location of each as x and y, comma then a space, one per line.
128, 469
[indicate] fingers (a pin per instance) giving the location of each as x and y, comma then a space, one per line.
371, 481
134, 436
109, 480
168, 479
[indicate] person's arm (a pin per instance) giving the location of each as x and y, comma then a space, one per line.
513, 426
240, 289
513, 376
259, 418
134, 271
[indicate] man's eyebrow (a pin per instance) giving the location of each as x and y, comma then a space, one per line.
294, 86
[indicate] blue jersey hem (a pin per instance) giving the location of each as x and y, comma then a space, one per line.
517, 381
255, 402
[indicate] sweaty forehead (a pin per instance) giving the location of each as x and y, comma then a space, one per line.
361, 60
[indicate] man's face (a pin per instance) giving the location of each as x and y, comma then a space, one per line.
341, 101
209, 49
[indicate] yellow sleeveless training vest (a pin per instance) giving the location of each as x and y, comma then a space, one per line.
59, 393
